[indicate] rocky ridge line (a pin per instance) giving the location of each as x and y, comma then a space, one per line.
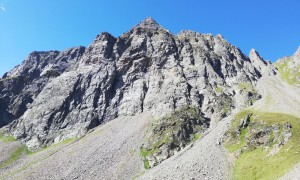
56, 95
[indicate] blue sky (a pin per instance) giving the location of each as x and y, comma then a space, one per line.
270, 26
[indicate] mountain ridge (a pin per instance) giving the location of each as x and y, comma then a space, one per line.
129, 59
147, 99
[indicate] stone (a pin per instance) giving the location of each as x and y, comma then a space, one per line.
244, 123
265, 67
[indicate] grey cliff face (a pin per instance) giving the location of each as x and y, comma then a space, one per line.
56, 95
20, 86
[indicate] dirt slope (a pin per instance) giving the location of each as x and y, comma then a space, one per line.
113, 147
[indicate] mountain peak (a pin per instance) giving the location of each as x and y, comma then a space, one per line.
149, 23
254, 55
149, 20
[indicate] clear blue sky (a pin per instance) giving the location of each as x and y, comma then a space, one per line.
270, 26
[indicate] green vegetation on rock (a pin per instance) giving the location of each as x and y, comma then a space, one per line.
170, 134
219, 89
245, 86
146, 164
266, 147
250, 91
288, 74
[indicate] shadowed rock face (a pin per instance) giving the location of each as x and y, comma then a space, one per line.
55, 95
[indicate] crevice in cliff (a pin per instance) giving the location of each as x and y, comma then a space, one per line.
145, 91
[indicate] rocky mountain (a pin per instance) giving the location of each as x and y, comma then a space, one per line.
55, 95
190, 84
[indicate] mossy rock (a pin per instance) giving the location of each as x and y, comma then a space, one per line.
224, 104
250, 92
172, 133
267, 147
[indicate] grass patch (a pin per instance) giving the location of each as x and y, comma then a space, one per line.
258, 163
67, 141
269, 101
15, 156
144, 153
146, 164
219, 89
26, 151
238, 145
5, 139
196, 137
245, 86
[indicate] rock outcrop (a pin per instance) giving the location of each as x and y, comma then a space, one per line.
56, 95
171, 134
288, 68
253, 135
264, 67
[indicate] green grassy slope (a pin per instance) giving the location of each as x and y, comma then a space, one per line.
259, 162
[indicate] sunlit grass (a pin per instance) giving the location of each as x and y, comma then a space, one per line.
23, 150
258, 163
18, 152
5, 139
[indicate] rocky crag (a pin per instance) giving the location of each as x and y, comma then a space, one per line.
288, 68
56, 95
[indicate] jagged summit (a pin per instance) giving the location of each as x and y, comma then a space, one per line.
264, 67
103, 35
145, 70
149, 23
254, 55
